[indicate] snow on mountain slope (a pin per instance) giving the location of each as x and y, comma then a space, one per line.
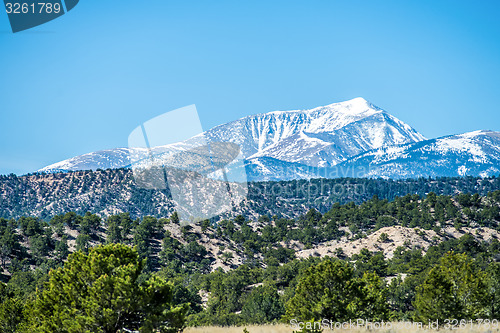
268, 168
111, 158
322, 136
475, 153
104, 159
326, 149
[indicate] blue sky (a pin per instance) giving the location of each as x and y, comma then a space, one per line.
83, 82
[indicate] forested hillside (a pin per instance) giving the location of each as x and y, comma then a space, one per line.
245, 270
108, 192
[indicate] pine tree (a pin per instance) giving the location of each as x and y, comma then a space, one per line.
455, 288
100, 292
332, 290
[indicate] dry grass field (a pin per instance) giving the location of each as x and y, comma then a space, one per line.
236, 329
288, 329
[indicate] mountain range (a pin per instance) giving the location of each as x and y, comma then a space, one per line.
353, 138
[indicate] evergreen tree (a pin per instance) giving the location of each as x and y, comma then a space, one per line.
101, 292
455, 288
332, 290
263, 305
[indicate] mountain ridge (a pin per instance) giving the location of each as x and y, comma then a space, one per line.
472, 153
327, 140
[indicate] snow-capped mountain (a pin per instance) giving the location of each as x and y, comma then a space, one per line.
474, 153
353, 138
320, 137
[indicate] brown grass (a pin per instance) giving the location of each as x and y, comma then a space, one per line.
239, 329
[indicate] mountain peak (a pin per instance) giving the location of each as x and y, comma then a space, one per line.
476, 133
358, 101
355, 106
